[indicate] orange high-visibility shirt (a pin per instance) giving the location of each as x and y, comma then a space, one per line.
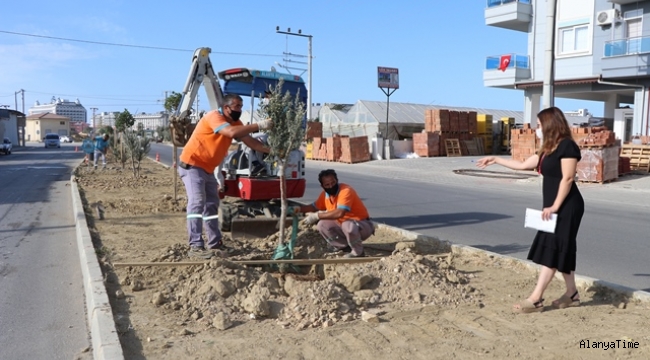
207, 148
346, 199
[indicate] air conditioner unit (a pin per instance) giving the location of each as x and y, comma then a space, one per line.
607, 17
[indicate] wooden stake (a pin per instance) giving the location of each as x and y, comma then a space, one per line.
257, 262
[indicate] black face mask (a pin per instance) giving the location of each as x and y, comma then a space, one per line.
333, 190
235, 115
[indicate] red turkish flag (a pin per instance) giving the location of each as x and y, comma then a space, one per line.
505, 61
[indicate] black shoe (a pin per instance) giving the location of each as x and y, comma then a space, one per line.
199, 252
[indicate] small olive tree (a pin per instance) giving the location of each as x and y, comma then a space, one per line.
287, 113
123, 121
138, 148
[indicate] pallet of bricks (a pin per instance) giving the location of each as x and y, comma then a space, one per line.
333, 146
524, 143
313, 131
600, 154
459, 127
638, 156
354, 149
319, 148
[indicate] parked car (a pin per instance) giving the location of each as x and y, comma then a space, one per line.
159, 139
6, 146
65, 139
52, 140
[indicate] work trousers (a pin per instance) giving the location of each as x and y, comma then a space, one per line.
99, 153
349, 233
202, 206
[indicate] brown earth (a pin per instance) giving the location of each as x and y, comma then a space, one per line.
418, 302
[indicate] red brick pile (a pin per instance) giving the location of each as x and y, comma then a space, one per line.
341, 148
426, 144
594, 136
314, 130
598, 164
354, 150
333, 148
449, 124
524, 143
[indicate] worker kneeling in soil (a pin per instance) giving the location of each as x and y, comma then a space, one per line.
342, 217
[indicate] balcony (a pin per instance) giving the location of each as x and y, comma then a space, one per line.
626, 57
506, 70
509, 14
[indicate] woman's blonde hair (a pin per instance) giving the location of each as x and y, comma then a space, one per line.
555, 128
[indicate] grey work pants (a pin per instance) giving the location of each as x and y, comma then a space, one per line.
99, 153
349, 233
202, 206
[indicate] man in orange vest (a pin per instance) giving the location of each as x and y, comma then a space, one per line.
204, 151
342, 217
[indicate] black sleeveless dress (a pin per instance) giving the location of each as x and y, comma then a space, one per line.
558, 251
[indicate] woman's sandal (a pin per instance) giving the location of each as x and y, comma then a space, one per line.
566, 301
527, 307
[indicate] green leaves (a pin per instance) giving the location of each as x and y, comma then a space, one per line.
124, 120
287, 113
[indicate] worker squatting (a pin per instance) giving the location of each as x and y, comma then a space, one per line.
606, 345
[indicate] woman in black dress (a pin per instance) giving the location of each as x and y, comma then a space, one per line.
556, 161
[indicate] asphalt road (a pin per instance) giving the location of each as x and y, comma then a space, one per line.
42, 313
613, 242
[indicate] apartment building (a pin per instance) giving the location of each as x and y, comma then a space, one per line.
602, 53
73, 110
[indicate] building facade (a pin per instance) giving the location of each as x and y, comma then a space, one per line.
63, 107
151, 121
601, 49
38, 125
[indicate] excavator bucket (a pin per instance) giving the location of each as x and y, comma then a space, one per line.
248, 228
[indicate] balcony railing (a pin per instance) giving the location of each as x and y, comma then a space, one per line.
516, 61
629, 46
493, 3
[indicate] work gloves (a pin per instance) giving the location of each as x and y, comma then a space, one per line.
265, 124
311, 219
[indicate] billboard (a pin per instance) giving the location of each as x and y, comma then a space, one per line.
388, 77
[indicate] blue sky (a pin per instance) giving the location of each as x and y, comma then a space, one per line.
439, 47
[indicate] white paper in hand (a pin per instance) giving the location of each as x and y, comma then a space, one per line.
534, 221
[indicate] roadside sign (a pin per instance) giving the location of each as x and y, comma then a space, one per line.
388, 77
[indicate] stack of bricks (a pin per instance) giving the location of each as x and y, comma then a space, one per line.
354, 149
333, 148
593, 137
484, 130
624, 165
524, 143
317, 142
314, 130
598, 164
450, 124
426, 144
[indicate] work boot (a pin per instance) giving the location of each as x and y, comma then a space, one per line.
199, 252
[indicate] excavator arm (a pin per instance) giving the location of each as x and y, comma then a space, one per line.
201, 72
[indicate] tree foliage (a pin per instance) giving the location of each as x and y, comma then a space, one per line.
124, 120
288, 114
137, 148
173, 101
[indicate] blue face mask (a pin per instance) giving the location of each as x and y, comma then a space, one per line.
333, 190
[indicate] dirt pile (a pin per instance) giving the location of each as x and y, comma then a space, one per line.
327, 295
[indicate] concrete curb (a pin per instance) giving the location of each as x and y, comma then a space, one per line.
105, 341
581, 281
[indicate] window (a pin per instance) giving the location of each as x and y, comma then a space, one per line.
61, 122
633, 31
574, 39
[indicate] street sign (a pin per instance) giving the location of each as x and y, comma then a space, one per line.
388, 77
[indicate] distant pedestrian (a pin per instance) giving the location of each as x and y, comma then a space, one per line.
557, 161
101, 147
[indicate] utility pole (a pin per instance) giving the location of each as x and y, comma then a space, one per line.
309, 61
548, 91
22, 92
93, 109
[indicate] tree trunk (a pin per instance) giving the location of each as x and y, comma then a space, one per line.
283, 201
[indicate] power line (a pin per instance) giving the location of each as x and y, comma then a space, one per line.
131, 46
